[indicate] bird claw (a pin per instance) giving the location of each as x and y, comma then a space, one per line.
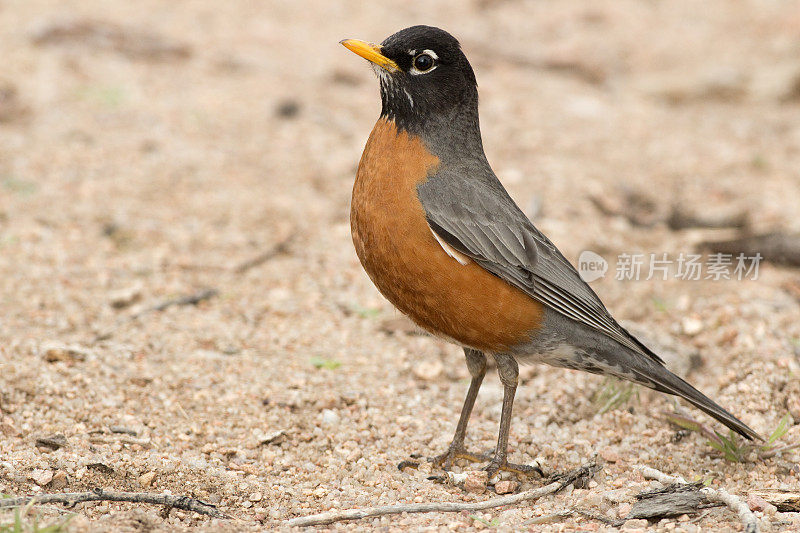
445, 461
521, 470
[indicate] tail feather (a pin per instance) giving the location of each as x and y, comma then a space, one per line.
663, 380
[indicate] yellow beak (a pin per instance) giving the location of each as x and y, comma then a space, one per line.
370, 52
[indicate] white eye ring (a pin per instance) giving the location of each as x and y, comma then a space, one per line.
430, 53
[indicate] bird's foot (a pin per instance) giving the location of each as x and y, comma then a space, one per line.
521, 470
445, 460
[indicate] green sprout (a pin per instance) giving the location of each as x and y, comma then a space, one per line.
759, 162
660, 304
327, 364
732, 446
493, 523
20, 525
107, 96
614, 394
365, 312
19, 186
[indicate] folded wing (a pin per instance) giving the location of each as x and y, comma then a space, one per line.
480, 220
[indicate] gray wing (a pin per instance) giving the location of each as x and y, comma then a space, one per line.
479, 219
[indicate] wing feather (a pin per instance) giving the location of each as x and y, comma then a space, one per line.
482, 222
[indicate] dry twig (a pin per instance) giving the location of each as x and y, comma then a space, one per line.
189, 299
715, 495
583, 70
281, 247
445, 507
184, 503
777, 247
639, 208
673, 500
787, 501
681, 218
102, 35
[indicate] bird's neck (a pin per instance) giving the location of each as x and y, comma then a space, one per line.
452, 134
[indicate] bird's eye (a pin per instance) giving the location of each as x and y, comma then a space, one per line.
423, 62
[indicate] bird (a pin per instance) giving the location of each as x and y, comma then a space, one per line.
444, 242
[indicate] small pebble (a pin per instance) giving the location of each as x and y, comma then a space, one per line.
592, 499
10, 105
287, 109
59, 481
255, 497
8, 422
757, 503
354, 456
275, 437
476, 481
691, 326
54, 352
41, 476
609, 456
123, 429
52, 442
637, 523
456, 478
145, 480
506, 487
124, 297
8, 429
428, 370
329, 417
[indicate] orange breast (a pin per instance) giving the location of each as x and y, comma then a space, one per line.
402, 257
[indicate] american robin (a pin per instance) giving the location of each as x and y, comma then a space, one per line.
444, 242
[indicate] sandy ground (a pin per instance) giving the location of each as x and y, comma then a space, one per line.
151, 150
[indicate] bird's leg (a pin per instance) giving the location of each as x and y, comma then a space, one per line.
508, 369
476, 363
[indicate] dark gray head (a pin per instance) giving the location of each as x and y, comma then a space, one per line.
423, 74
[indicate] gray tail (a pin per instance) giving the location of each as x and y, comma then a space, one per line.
663, 380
